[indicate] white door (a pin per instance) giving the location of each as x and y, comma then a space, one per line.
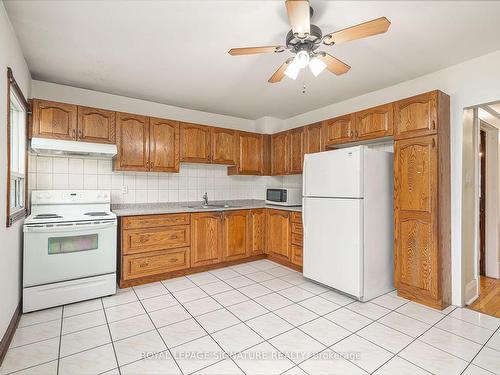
333, 243
336, 173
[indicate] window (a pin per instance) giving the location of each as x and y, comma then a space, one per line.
17, 111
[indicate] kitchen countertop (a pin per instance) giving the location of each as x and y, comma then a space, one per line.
181, 207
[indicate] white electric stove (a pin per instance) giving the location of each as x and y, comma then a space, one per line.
69, 248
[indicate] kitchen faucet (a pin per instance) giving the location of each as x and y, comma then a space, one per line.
205, 199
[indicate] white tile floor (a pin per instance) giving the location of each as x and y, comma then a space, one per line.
254, 318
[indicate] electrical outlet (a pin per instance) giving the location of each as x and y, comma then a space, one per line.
124, 189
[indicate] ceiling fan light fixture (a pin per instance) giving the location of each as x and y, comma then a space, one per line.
293, 69
302, 58
316, 66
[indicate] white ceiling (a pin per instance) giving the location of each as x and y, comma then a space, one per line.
175, 52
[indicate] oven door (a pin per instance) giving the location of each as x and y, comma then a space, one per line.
68, 251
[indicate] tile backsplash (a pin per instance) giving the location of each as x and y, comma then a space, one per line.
73, 172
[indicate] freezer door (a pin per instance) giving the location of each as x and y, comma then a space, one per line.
333, 243
336, 173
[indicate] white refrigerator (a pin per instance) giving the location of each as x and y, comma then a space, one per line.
348, 220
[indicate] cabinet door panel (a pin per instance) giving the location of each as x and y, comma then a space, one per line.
236, 235
339, 130
54, 120
416, 116
132, 141
297, 255
279, 154
375, 122
195, 143
278, 233
296, 152
249, 150
151, 239
154, 263
258, 232
96, 125
313, 138
164, 145
223, 144
416, 254
206, 238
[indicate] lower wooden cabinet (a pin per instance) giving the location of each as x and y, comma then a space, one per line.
258, 231
296, 256
236, 233
154, 263
206, 238
278, 233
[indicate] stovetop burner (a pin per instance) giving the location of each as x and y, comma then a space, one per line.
47, 216
102, 213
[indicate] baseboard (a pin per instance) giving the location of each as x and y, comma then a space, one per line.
9, 333
471, 292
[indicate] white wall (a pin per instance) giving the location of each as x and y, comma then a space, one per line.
470, 83
10, 238
74, 95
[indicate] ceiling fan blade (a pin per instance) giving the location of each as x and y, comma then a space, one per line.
280, 73
333, 64
255, 50
299, 16
363, 30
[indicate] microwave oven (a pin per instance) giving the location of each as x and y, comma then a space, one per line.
284, 196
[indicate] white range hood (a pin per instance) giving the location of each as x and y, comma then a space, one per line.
60, 147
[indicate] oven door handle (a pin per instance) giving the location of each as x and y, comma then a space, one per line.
62, 228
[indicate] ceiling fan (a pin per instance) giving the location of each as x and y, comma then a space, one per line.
305, 38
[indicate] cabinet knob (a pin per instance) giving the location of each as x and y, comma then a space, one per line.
73, 133
433, 124
145, 264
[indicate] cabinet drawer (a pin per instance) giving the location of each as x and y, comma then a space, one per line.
150, 221
158, 262
297, 239
297, 217
297, 255
297, 228
144, 240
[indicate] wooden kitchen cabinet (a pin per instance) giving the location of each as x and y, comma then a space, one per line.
163, 145
422, 217
223, 146
278, 233
132, 142
339, 130
236, 233
296, 150
195, 143
258, 231
249, 149
418, 116
54, 120
374, 123
313, 138
96, 125
138, 266
280, 154
296, 255
152, 239
206, 238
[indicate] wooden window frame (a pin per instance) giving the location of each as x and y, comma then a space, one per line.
12, 85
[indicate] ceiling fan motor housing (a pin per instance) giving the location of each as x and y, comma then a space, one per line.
310, 42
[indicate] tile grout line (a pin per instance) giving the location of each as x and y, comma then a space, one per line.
111, 337
158, 332
482, 347
60, 341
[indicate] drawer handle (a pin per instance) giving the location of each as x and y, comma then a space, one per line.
142, 265
433, 124
143, 239
173, 260
173, 237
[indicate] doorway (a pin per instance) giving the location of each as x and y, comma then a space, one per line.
481, 255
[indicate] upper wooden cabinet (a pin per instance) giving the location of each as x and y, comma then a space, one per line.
257, 231
249, 154
296, 150
206, 238
223, 146
236, 233
278, 233
375, 122
163, 145
280, 154
96, 125
195, 143
54, 120
313, 138
132, 141
339, 130
417, 116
